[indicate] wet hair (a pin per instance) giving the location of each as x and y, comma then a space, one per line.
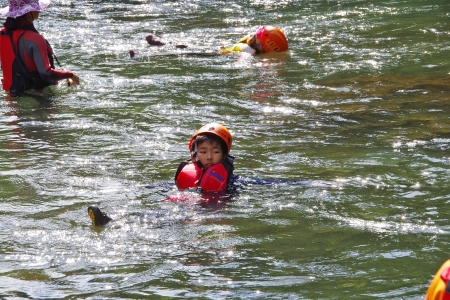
13, 23
211, 138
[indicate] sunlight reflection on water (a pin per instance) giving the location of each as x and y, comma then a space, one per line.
358, 106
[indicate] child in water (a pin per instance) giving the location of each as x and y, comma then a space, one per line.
265, 40
209, 169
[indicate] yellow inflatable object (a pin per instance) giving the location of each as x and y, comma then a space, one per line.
239, 47
437, 289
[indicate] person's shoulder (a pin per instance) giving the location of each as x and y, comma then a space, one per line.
230, 159
34, 39
244, 39
32, 35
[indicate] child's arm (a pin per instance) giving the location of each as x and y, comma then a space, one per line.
244, 39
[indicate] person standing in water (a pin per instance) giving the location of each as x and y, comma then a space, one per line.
26, 57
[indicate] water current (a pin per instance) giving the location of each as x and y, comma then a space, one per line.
358, 107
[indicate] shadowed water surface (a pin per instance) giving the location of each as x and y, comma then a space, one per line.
358, 107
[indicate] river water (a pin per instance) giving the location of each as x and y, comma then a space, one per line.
358, 107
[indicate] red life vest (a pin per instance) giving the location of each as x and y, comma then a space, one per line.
16, 77
188, 175
7, 55
212, 179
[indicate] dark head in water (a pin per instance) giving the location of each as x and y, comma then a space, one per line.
153, 41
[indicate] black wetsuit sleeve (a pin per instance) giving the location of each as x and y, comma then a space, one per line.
228, 163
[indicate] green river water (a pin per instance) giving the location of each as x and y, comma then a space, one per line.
358, 107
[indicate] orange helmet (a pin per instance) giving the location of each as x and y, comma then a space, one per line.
272, 39
215, 129
437, 289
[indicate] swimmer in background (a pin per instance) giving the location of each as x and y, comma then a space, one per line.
265, 40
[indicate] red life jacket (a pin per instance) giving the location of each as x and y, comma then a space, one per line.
212, 179
7, 56
16, 77
188, 175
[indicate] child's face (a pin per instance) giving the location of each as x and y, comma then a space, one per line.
209, 153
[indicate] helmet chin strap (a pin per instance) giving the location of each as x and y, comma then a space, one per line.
194, 151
